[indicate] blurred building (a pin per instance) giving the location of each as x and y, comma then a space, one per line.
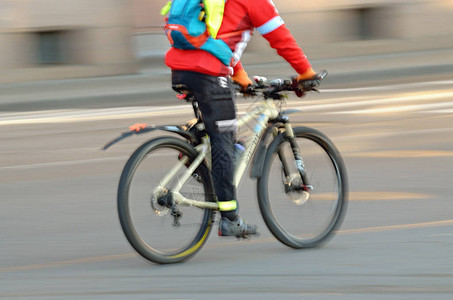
54, 39
332, 27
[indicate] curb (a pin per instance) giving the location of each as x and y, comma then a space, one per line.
153, 87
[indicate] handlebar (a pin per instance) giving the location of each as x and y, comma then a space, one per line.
275, 88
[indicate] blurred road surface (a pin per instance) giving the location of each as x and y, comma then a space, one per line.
60, 236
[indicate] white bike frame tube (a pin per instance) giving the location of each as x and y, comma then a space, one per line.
263, 113
172, 172
178, 197
250, 116
181, 200
203, 150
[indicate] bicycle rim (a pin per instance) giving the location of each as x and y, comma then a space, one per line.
295, 219
150, 227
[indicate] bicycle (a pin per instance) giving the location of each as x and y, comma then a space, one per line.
166, 183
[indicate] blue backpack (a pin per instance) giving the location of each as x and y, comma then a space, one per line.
186, 26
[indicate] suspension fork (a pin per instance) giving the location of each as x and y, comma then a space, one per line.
297, 157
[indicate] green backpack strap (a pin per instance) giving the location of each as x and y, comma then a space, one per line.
165, 9
214, 15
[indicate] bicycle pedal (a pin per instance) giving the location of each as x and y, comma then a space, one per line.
247, 237
239, 237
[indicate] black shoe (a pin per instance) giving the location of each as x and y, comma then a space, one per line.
237, 228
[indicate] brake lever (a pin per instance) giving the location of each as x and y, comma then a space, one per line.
249, 91
296, 87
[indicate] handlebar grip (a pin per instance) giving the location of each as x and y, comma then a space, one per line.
277, 82
322, 75
260, 79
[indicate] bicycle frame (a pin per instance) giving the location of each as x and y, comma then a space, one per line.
148, 199
262, 114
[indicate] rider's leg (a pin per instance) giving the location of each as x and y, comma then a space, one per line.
215, 97
216, 102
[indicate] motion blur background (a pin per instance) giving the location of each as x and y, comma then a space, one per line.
74, 74
55, 39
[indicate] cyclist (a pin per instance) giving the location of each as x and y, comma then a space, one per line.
211, 83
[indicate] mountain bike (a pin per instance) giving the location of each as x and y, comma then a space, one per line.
166, 199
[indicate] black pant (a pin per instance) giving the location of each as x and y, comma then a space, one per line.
215, 97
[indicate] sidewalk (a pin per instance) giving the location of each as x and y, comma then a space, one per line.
153, 84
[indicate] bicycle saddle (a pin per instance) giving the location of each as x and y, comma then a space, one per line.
181, 89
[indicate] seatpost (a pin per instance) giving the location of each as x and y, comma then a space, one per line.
196, 111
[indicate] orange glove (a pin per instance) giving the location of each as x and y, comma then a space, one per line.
241, 78
307, 75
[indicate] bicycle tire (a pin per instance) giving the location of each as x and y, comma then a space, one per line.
276, 213
133, 209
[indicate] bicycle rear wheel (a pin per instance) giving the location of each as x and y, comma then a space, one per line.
153, 229
294, 219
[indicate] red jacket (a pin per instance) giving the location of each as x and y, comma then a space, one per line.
240, 18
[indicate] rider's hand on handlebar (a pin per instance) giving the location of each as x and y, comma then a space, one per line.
307, 75
242, 79
308, 81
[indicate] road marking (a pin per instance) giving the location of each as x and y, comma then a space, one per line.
395, 133
68, 262
397, 227
403, 154
388, 87
379, 101
372, 196
403, 108
442, 234
64, 163
114, 257
442, 111
335, 104
90, 115
73, 162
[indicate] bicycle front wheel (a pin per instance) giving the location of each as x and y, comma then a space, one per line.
160, 232
303, 214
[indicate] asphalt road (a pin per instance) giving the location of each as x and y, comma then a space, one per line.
61, 239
